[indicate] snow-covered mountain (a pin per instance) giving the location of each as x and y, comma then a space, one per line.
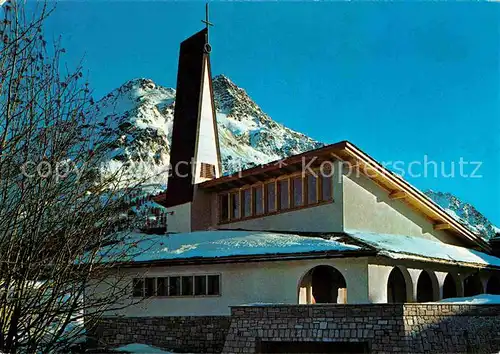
139, 117
249, 136
464, 212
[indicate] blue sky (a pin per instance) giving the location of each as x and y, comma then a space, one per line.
399, 80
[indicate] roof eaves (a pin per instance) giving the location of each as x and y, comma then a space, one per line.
275, 165
248, 258
417, 257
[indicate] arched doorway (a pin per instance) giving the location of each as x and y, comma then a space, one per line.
493, 286
321, 285
396, 287
425, 289
473, 285
449, 287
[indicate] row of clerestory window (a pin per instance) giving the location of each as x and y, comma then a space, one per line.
282, 194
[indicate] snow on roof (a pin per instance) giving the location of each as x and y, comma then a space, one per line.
482, 299
418, 248
213, 244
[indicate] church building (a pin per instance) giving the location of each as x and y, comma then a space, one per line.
328, 226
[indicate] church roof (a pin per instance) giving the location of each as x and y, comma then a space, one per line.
223, 245
231, 246
394, 184
418, 248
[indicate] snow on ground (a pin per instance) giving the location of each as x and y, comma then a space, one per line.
137, 348
221, 243
481, 299
403, 247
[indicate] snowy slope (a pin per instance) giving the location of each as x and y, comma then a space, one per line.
464, 212
139, 116
249, 136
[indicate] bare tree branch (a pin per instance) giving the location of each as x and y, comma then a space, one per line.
57, 208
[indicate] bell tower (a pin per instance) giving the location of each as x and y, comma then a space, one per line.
194, 153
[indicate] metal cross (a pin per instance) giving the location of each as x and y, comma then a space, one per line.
206, 21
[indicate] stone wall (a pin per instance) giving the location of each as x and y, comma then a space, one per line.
377, 328
381, 328
200, 334
452, 328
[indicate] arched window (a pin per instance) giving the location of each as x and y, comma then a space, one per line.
493, 286
323, 284
449, 287
425, 290
473, 285
396, 287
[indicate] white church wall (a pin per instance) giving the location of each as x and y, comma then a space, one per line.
378, 276
322, 218
367, 207
243, 283
206, 149
180, 220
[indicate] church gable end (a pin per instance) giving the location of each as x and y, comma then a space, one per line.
369, 207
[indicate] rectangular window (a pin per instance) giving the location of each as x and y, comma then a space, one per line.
200, 285
297, 191
161, 286
235, 205
224, 207
271, 197
150, 287
246, 202
213, 285
138, 285
187, 285
312, 189
258, 201
174, 286
283, 196
326, 187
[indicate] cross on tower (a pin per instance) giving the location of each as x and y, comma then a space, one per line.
206, 21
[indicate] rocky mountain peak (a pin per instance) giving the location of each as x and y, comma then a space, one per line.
464, 212
234, 101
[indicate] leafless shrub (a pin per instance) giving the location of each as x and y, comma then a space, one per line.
53, 222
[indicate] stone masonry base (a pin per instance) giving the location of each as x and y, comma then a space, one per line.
373, 328
409, 328
204, 334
